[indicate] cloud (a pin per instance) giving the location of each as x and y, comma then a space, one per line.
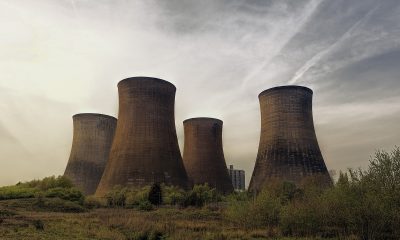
59, 58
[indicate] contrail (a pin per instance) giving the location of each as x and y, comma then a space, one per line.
320, 55
311, 7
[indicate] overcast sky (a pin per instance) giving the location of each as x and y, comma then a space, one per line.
62, 57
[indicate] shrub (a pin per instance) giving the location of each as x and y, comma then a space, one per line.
70, 194
201, 195
16, 192
262, 211
116, 197
59, 187
91, 202
134, 196
145, 206
173, 195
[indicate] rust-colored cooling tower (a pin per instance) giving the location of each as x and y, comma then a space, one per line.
203, 155
91, 144
288, 148
145, 148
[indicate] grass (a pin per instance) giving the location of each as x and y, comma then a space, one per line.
18, 220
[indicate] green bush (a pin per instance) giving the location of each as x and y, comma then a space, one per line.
70, 194
261, 211
201, 195
116, 197
145, 205
59, 187
134, 196
16, 192
173, 195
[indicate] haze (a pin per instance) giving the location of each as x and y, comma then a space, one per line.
62, 57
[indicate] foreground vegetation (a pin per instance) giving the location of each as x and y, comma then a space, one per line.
363, 204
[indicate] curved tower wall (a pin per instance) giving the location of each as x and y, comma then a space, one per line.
145, 148
91, 144
203, 154
288, 148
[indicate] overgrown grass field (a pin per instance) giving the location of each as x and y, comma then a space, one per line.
362, 204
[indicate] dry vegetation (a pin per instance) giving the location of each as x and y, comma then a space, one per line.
123, 224
361, 205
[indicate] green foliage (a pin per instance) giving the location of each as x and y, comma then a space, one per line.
145, 205
116, 197
16, 192
201, 195
262, 210
135, 196
365, 204
155, 194
50, 187
70, 194
173, 195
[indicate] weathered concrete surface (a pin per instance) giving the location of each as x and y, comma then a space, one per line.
91, 144
145, 148
288, 148
203, 154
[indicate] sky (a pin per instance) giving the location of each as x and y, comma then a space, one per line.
62, 57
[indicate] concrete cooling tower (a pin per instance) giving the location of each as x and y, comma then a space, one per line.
145, 148
91, 144
288, 148
203, 154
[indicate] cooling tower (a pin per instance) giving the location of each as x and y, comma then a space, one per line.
91, 144
203, 155
288, 148
145, 148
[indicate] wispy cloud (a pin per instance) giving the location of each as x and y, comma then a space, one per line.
320, 55
58, 58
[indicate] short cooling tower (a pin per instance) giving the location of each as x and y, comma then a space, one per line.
203, 155
145, 148
91, 144
288, 148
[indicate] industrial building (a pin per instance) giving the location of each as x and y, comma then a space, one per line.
145, 148
92, 138
237, 178
288, 148
203, 154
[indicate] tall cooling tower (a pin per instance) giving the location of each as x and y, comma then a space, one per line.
91, 144
145, 148
288, 148
203, 155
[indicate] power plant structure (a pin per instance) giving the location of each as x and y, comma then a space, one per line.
288, 148
238, 178
92, 139
203, 155
145, 149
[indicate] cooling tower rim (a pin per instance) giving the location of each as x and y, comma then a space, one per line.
80, 115
203, 119
145, 78
285, 87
